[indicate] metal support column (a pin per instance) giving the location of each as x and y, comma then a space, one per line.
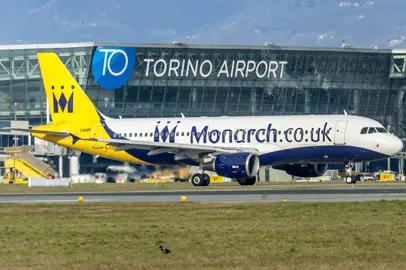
61, 166
47, 111
357, 98
194, 97
401, 165
74, 166
307, 101
253, 101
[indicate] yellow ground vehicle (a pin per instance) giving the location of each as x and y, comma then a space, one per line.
21, 165
14, 177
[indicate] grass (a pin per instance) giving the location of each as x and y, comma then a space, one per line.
367, 235
189, 186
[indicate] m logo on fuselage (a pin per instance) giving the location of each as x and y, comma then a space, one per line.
62, 102
164, 134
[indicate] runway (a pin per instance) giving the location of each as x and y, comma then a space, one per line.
218, 196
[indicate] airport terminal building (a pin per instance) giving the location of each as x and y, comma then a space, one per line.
167, 80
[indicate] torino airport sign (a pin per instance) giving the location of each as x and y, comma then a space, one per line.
229, 69
112, 67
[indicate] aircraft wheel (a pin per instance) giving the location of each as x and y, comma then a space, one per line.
206, 179
350, 180
198, 180
247, 181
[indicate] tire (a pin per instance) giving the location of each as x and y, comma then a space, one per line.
206, 179
247, 181
197, 180
350, 180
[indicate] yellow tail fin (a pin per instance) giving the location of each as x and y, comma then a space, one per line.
67, 100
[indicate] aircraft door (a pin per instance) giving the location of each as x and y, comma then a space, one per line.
339, 134
97, 133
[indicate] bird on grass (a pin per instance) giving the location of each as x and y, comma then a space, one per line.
164, 250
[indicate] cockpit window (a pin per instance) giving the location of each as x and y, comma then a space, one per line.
371, 130
381, 130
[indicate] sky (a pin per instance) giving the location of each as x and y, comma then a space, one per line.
321, 23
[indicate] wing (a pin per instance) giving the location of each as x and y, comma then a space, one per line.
182, 151
47, 132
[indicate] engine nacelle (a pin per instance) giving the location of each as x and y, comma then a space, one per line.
238, 165
304, 170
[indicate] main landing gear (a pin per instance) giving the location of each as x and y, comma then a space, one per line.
349, 177
201, 179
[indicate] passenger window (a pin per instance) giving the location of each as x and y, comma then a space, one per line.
364, 130
371, 130
146, 134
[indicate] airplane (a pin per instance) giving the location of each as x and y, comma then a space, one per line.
234, 147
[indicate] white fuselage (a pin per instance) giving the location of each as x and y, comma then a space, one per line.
279, 139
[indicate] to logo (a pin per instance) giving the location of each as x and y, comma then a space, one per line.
62, 103
113, 66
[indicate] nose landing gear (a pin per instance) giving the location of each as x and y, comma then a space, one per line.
349, 176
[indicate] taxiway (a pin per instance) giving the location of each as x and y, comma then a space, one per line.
231, 196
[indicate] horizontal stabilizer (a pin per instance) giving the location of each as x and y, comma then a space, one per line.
47, 132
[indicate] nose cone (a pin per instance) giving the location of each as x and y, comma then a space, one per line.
394, 145
398, 145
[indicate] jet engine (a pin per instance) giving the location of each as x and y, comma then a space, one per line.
238, 165
304, 170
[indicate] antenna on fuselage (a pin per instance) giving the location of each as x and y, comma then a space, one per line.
182, 115
120, 117
345, 113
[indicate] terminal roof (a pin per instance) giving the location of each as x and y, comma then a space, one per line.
197, 46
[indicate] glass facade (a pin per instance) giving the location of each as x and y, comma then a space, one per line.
168, 80
21, 90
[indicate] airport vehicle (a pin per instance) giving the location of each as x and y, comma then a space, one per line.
365, 177
234, 147
21, 165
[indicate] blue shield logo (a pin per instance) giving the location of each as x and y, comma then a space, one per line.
113, 66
